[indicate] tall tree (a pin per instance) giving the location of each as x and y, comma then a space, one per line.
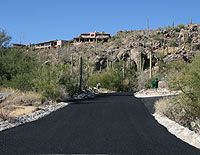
4, 38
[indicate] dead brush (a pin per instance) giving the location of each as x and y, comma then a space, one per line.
21, 98
5, 114
163, 106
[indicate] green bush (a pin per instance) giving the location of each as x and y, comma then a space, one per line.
16, 70
69, 83
21, 71
185, 77
180, 26
172, 43
156, 36
110, 79
47, 81
113, 79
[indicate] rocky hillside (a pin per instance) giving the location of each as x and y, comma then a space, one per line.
170, 43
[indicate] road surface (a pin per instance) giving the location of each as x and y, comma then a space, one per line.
107, 124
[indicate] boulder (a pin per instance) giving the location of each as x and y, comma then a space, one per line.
136, 53
123, 55
173, 57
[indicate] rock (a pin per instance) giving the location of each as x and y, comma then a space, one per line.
135, 54
123, 55
162, 84
173, 57
193, 27
3, 96
100, 62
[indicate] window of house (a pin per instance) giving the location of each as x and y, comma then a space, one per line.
47, 44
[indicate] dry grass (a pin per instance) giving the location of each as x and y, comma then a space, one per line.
20, 98
163, 105
18, 103
170, 50
175, 111
22, 110
4, 114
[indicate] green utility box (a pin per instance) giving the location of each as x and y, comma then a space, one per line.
155, 83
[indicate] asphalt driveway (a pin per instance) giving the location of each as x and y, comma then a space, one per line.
113, 124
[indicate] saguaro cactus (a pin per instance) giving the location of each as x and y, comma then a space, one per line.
147, 24
123, 69
80, 72
72, 63
140, 62
111, 64
150, 65
107, 63
87, 68
173, 24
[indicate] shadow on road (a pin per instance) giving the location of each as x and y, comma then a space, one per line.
149, 103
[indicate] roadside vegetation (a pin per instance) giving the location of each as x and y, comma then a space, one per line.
118, 78
185, 107
52, 75
23, 72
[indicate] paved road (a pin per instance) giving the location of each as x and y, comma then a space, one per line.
108, 124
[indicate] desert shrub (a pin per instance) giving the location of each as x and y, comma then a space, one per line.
185, 77
4, 114
113, 38
23, 72
113, 79
118, 42
180, 26
69, 83
155, 36
172, 43
18, 97
47, 81
144, 82
16, 69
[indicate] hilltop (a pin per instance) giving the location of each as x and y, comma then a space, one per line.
170, 43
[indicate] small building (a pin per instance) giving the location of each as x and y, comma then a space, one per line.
19, 45
92, 37
49, 44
